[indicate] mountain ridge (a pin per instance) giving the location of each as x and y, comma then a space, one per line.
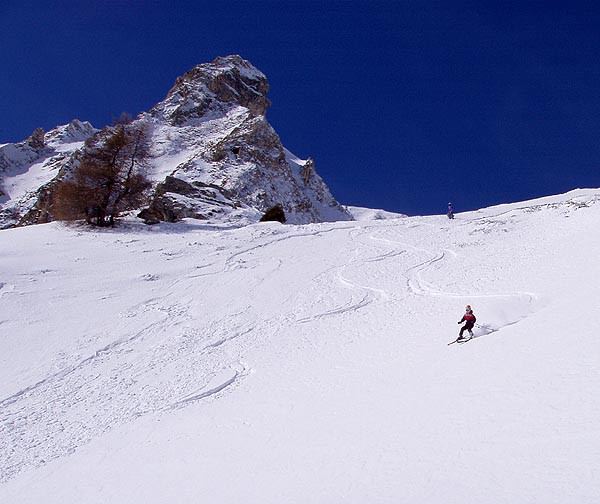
209, 131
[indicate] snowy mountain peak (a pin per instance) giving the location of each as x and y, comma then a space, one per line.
27, 167
214, 156
75, 131
211, 132
228, 80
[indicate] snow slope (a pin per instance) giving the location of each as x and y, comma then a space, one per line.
306, 364
362, 214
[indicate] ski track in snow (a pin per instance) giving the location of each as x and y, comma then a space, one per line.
362, 295
418, 286
6, 288
39, 419
217, 383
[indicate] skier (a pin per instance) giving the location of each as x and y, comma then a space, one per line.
469, 318
450, 211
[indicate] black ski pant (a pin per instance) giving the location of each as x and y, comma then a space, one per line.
467, 327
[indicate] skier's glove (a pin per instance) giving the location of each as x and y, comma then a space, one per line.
459, 321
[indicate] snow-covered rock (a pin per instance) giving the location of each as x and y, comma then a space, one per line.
211, 130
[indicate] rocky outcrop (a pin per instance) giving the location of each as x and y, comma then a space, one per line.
216, 113
274, 214
308, 171
225, 80
36, 140
175, 199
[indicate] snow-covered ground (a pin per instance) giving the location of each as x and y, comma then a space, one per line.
191, 363
362, 214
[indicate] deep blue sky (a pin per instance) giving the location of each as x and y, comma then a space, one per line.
403, 105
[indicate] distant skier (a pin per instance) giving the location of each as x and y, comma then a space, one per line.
469, 318
450, 211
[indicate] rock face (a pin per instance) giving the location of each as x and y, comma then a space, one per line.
225, 80
36, 140
211, 131
214, 156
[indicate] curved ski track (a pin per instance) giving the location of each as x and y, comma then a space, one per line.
418, 286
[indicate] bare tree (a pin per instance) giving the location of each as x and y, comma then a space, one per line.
109, 178
124, 118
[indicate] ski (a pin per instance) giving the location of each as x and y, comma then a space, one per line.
459, 340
